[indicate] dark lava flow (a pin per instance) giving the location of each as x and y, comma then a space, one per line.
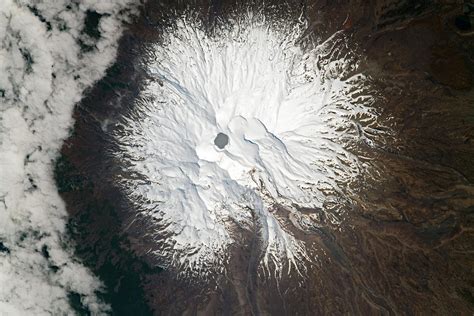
406, 245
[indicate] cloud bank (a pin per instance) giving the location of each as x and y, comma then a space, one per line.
50, 52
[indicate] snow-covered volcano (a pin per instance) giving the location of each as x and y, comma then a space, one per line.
233, 122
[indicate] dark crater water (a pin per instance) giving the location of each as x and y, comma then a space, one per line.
407, 243
221, 140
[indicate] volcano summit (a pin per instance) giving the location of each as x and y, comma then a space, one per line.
284, 116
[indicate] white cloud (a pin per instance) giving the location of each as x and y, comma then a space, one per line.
35, 115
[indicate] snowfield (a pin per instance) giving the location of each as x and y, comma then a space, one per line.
289, 113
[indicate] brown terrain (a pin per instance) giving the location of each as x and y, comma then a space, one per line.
406, 242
